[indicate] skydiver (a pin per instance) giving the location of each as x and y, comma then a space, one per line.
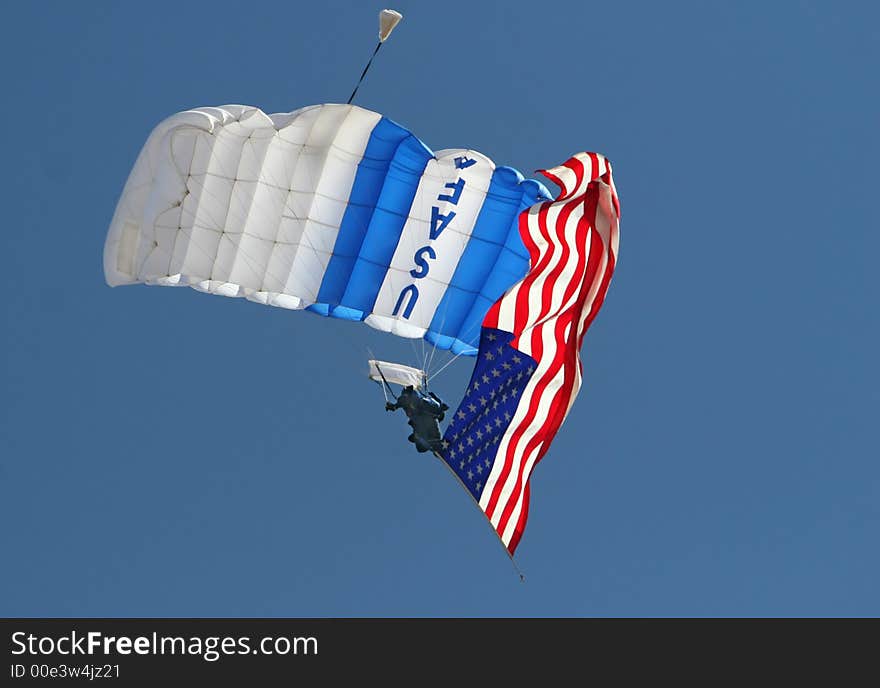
425, 411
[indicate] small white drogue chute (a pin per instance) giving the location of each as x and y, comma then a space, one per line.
396, 373
388, 19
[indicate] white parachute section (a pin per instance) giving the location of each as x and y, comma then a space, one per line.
232, 201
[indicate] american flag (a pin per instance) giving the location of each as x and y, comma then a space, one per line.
528, 370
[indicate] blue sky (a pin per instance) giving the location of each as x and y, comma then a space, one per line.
167, 453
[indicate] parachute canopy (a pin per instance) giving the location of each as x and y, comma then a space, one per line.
330, 208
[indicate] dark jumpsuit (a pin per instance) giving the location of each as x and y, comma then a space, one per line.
425, 412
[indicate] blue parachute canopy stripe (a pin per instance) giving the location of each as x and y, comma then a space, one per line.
370, 178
